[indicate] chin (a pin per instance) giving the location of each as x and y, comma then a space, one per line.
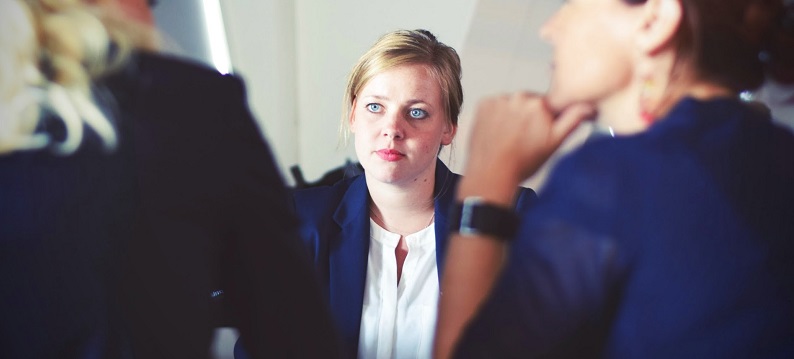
386, 179
382, 174
557, 101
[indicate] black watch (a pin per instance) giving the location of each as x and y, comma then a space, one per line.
475, 216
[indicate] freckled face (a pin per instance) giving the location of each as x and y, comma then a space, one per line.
399, 123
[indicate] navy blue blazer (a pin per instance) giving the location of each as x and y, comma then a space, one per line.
673, 243
107, 255
335, 229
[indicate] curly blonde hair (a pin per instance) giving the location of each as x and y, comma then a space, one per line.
52, 50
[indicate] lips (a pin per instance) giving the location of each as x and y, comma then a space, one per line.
390, 155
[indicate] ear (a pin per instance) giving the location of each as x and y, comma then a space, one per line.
661, 20
448, 134
351, 121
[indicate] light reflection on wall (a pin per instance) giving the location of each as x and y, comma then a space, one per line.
219, 48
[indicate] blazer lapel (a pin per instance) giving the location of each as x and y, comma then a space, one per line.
348, 261
444, 192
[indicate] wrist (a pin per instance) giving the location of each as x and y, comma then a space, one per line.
491, 189
495, 181
476, 216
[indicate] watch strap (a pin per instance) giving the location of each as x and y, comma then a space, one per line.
475, 216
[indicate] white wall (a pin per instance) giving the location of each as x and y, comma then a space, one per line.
295, 55
181, 25
261, 37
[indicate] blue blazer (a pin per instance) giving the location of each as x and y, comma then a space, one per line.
114, 255
672, 243
335, 229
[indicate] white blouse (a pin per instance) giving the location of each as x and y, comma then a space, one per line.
398, 321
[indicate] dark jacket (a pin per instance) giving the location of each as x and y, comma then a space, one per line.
107, 255
335, 228
673, 243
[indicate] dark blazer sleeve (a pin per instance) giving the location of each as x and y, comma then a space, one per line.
558, 277
213, 211
280, 311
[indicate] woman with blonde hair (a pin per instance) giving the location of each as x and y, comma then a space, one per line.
378, 239
672, 239
132, 187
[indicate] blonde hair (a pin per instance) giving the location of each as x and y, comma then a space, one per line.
407, 47
52, 50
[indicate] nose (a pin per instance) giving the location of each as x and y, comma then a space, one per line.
392, 126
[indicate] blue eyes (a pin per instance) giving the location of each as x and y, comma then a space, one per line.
414, 113
417, 113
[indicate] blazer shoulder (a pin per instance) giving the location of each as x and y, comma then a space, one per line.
172, 76
177, 66
319, 203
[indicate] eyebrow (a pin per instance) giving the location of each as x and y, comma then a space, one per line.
409, 102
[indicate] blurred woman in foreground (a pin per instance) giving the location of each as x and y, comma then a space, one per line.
673, 239
132, 187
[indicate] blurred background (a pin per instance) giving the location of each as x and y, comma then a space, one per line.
295, 55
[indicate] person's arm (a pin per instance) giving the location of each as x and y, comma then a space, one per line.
512, 137
472, 265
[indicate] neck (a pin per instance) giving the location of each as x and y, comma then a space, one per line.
656, 94
399, 200
621, 111
708, 91
402, 209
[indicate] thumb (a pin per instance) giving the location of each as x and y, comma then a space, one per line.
569, 119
